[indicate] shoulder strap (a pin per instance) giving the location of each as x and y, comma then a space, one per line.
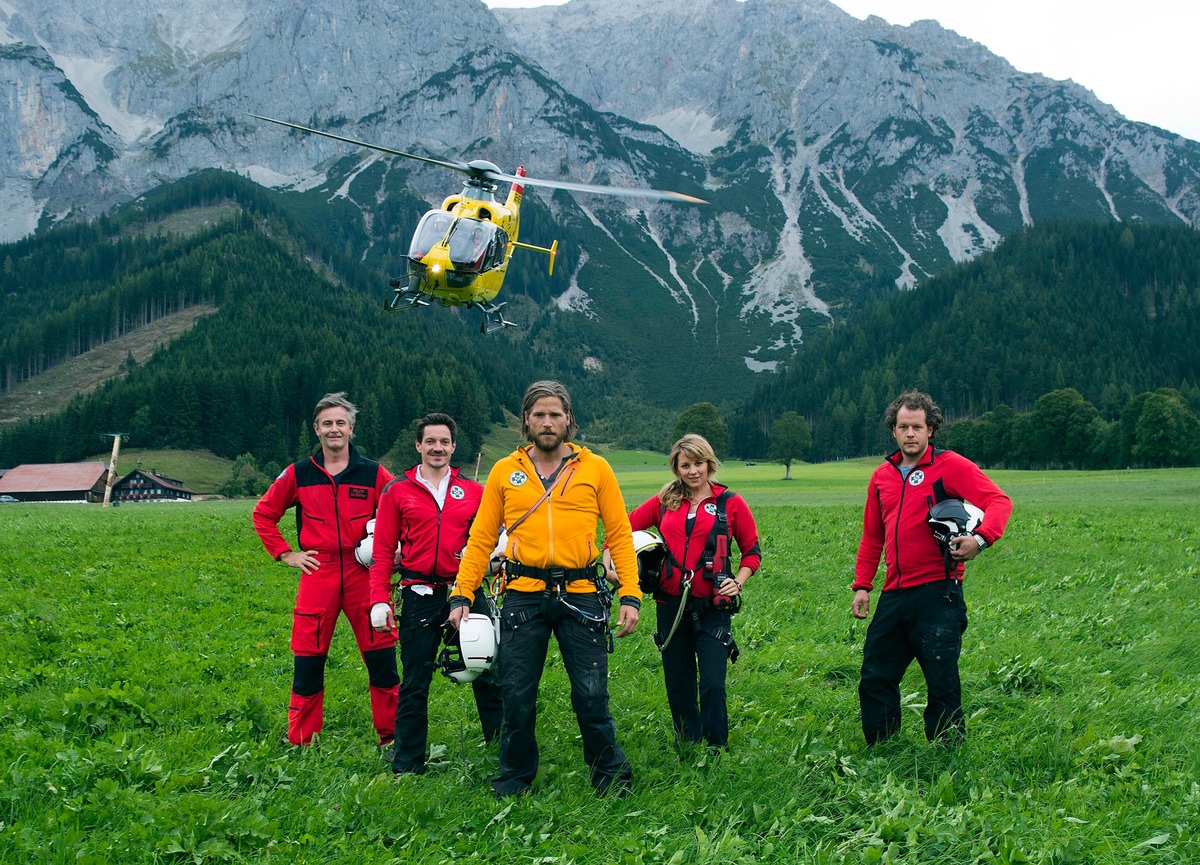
561, 473
720, 527
720, 524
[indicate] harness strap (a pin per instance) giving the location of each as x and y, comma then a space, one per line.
550, 575
720, 527
683, 599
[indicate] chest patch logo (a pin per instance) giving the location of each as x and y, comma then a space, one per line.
711, 509
457, 493
358, 493
518, 479
916, 478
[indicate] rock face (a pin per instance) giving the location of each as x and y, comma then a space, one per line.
842, 157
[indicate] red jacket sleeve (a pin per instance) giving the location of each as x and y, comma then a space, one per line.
745, 533
383, 555
280, 496
870, 546
644, 516
972, 485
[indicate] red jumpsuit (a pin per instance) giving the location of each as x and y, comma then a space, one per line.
331, 517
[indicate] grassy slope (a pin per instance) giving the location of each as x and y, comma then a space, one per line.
201, 471
146, 671
50, 391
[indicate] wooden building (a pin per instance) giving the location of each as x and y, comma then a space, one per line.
56, 482
142, 485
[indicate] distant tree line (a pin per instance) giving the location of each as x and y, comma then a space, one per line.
1064, 431
1109, 310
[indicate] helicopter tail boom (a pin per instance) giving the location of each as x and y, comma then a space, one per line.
551, 250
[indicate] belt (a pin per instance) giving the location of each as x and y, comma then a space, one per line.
418, 577
550, 575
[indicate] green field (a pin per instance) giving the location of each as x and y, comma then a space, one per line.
146, 672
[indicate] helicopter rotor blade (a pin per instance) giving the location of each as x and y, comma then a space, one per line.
488, 171
624, 191
455, 166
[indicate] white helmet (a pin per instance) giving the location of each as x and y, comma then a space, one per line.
501, 545
364, 550
650, 554
470, 648
952, 518
643, 541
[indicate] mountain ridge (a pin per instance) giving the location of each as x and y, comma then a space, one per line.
843, 159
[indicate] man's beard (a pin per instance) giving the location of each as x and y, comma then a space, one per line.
539, 442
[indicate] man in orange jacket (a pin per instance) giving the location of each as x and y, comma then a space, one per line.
549, 496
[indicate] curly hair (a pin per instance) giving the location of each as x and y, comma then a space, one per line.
914, 400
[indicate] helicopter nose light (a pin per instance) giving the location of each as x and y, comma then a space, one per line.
436, 268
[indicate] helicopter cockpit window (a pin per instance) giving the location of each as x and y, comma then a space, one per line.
431, 231
476, 246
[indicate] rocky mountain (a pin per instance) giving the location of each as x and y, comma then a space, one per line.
843, 159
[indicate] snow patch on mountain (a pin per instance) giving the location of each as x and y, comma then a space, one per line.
783, 287
575, 299
964, 232
88, 75
695, 130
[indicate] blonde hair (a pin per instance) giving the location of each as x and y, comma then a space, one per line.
696, 448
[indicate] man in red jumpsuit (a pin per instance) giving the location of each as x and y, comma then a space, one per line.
428, 511
335, 493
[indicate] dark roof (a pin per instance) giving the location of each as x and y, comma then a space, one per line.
52, 477
162, 480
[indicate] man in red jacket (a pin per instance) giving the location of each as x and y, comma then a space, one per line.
428, 511
334, 492
921, 613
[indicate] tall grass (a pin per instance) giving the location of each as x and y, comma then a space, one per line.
146, 669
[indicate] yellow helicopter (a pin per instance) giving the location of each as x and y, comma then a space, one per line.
459, 252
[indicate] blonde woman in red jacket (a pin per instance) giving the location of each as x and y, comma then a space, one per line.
699, 590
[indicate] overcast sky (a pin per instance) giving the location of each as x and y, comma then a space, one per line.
1139, 57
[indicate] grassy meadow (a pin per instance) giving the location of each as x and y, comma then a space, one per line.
146, 669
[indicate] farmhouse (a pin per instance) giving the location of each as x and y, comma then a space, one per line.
142, 485
56, 482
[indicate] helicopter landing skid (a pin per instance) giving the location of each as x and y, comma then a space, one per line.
493, 318
404, 296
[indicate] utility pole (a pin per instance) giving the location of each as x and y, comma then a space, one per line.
112, 465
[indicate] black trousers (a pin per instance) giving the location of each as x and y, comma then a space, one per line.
694, 668
527, 620
421, 621
926, 624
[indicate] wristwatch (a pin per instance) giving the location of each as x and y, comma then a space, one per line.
981, 540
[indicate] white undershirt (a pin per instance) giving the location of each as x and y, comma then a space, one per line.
438, 489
